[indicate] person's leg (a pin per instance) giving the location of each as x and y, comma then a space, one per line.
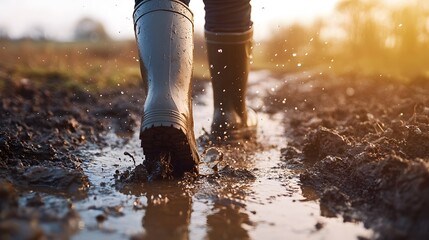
137, 2
226, 16
164, 34
228, 32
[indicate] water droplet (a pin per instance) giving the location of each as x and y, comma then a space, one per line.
350, 91
219, 50
122, 92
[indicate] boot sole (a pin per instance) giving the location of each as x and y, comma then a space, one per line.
165, 133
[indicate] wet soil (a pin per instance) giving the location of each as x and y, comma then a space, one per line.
43, 131
363, 145
331, 153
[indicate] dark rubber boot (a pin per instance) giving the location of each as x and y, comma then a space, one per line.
229, 59
164, 33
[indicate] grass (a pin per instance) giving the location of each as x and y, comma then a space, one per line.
92, 65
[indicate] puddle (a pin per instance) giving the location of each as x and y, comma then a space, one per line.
261, 200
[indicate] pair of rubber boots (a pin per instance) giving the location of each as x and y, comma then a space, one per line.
164, 34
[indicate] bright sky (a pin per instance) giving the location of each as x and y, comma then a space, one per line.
57, 18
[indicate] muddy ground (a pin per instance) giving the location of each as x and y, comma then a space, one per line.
43, 131
361, 144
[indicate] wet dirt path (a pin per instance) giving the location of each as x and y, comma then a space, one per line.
258, 199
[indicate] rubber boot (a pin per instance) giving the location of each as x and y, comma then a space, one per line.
229, 60
164, 34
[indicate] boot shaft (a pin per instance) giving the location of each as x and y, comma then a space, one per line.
164, 34
229, 59
229, 55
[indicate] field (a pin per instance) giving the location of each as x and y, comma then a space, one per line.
342, 150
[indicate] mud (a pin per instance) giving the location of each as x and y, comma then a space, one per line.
43, 130
362, 144
330, 154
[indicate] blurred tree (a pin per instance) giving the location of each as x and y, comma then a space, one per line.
385, 37
3, 33
411, 26
88, 29
364, 34
36, 33
411, 35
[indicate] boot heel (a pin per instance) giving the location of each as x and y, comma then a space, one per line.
158, 118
